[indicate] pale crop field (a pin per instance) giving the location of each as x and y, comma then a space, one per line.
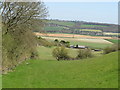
71, 35
110, 33
81, 40
91, 30
92, 43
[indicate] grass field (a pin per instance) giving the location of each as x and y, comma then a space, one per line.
86, 25
65, 35
53, 28
93, 43
113, 40
62, 23
98, 72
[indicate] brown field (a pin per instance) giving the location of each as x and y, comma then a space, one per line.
70, 35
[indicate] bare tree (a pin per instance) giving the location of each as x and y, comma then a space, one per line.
19, 19
18, 13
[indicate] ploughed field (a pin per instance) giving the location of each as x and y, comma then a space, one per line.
71, 35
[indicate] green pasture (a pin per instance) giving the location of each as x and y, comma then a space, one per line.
113, 40
62, 23
97, 72
90, 44
87, 25
53, 28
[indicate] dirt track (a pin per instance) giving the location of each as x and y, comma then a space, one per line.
70, 35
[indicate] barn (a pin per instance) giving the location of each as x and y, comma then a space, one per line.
78, 46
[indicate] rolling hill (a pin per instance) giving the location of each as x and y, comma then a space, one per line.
80, 27
98, 72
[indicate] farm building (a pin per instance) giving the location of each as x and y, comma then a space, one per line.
78, 46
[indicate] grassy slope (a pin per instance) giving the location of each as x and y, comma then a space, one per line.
98, 72
46, 53
62, 23
53, 28
113, 40
89, 44
92, 45
86, 25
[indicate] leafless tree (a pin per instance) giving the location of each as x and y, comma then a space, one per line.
19, 19
22, 13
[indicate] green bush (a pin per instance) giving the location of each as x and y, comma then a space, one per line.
113, 48
44, 42
61, 43
56, 42
34, 55
17, 48
60, 53
65, 43
84, 53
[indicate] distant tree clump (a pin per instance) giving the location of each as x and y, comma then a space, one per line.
56, 42
19, 19
61, 43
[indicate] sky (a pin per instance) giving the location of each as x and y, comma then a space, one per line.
103, 12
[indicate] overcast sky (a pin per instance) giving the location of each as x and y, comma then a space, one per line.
105, 12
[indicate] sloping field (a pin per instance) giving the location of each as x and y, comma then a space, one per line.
88, 25
62, 23
114, 40
71, 35
89, 40
98, 72
53, 28
92, 43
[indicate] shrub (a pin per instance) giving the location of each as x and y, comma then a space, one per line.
39, 37
47, 43
84, 53
44, 42
62, 42
113, 48
65, 43
56, 42
60, 53
34, 55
